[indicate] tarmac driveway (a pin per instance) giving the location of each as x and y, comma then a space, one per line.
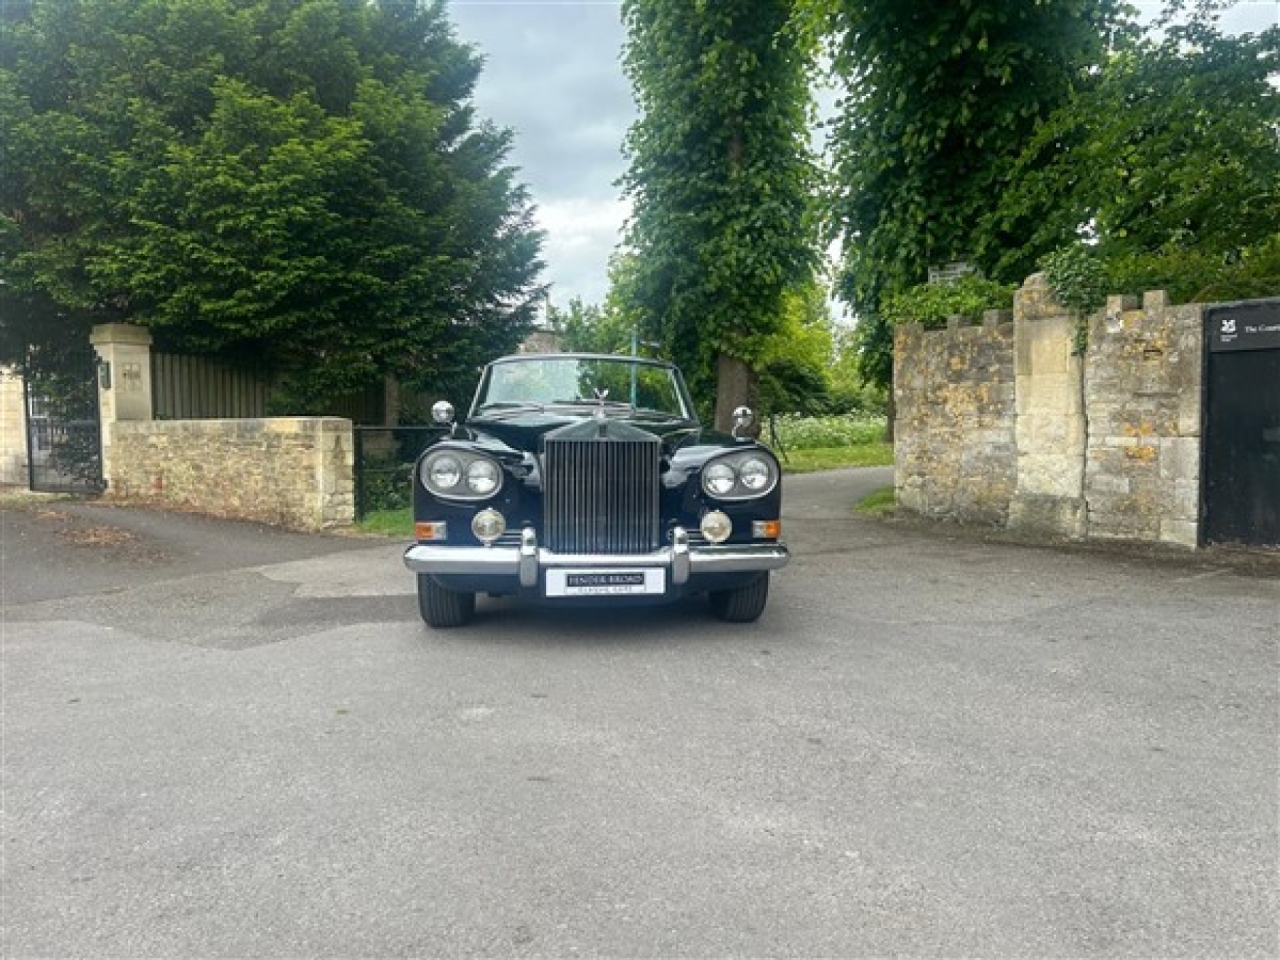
224, 740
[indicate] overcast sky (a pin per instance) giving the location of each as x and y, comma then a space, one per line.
553, 74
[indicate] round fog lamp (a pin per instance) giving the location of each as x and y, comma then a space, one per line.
488, 525
716, 526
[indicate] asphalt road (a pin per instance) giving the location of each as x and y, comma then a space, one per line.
225, 741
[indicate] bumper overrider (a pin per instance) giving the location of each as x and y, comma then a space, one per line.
528, 563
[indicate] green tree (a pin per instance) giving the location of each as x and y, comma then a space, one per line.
940, 100
584, 328
720, 179
1168, 161
303, 181
795, 362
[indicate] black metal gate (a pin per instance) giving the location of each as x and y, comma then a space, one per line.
1241, 489
384, 466
64, 433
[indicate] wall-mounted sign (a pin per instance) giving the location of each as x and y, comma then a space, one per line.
1244, 326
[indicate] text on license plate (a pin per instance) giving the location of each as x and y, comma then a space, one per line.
587, 583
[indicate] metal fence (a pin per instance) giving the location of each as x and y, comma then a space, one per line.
197, 388
384, 458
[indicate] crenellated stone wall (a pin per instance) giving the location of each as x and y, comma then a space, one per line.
955, 452
291, 471
1143, 395
1012, 424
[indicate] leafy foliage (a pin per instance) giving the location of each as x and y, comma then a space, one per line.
1201, 276
940, 100
794, 363
1168, 158
932, 304
301, 181
1077, 277
851, 392
719, 175
588, 328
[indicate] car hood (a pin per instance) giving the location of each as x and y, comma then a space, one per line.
523, 432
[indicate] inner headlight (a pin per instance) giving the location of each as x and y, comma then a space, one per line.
483, 477
719, 479
461, 474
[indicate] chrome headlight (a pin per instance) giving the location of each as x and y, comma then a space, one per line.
755, 474
458, 474
718, 479
483, 477
442, 473
740, 476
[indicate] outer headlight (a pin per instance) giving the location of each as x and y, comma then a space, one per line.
458, 474
443, 473
740, 476
755, 474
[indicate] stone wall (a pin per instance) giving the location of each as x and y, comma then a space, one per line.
955, 453
290, 471
13, 429
1143, 395
1009, 423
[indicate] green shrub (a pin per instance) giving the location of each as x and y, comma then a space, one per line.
1194, 276
1077, 277
932, 304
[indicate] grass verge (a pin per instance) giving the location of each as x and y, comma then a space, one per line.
388, 523
833, 458
877, 502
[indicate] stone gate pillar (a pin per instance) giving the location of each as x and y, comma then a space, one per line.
13, 428
124, 380
1050, 425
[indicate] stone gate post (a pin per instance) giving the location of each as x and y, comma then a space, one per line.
1050, 426
124, 380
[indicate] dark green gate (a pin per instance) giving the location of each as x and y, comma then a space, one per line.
64, 433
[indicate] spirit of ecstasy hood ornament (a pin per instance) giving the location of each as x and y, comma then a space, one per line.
600, 416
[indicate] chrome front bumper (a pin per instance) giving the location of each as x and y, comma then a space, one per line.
528, 560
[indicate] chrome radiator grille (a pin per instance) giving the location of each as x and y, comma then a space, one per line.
601, 495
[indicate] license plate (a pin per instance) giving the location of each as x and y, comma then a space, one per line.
597, 583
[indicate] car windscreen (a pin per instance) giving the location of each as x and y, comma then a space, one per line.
548, 381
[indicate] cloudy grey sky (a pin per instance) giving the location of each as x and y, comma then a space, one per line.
553, 73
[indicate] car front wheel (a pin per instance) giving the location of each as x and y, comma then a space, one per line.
744, 604
441, 608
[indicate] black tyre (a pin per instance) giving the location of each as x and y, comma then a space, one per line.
743, 605
441, 608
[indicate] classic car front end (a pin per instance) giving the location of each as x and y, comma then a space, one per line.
554, 491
